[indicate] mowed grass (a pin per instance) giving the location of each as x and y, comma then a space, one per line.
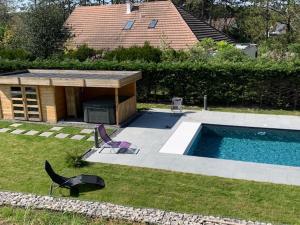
22, 169
144, 106
9, 215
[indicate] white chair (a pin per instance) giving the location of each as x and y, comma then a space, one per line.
176, 104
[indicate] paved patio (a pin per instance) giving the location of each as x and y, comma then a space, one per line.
151, 130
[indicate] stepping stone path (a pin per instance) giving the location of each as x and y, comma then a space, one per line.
4, 130
31, 133
56, 128
62, 135
15, 125
46, 134
78, 137
87, 131
18, 131
81, 136
92, 138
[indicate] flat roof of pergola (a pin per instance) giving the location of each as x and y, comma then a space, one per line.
71, 78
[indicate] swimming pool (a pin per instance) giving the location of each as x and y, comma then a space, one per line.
260, 145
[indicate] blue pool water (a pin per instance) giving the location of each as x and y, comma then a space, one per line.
259, 145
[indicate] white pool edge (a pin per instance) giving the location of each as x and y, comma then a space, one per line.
182, 139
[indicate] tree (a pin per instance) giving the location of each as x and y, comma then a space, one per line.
4, 19
45, 29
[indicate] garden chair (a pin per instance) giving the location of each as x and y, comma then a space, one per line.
176, 104
117, 146
89, 182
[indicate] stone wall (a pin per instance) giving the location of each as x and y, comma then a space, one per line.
112, 211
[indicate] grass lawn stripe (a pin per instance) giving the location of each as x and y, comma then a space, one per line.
140, 187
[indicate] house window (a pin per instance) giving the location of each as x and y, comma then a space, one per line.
152, 23
128, 25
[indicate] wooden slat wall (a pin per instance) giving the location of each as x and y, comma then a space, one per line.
60, 102
93, 93
6, 102
72, 101
128, 90
126, 109
47, 97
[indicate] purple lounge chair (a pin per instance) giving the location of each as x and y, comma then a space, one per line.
121, 146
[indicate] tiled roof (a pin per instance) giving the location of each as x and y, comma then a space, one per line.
201, 29
101, 27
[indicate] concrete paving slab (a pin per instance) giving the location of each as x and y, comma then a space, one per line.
15, 125
87, 131
32, 132
56, 128
152, 130
181, 139
18, 131
62, 135
46, 134
4, 130
78, 137
91, 138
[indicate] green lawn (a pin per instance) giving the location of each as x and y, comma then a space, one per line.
22, 161
142, 106
20, 216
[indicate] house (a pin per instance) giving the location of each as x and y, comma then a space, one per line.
158, 22
53, 95
223, 23
249, 49
278, 29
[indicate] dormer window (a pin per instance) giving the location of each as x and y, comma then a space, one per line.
128, 25
152, 23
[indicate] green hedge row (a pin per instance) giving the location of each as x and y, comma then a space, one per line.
251, 84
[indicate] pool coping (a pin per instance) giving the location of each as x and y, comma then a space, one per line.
184, 128
172, 145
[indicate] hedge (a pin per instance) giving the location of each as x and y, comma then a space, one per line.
249, 84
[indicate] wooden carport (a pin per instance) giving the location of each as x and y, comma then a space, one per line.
51, 95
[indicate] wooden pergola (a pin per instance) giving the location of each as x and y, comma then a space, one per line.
56, 92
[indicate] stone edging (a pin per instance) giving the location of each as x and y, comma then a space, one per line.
112, 211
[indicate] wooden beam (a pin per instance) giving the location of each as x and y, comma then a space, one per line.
39, 102
108, 79
1, 114
117, 105
134, 86
24, 103
9, 80
68, 82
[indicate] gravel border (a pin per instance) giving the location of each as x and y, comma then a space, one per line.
113, 211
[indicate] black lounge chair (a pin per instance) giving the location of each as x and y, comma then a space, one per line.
87, 182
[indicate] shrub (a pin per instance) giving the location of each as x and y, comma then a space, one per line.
74, 159
145, 53
295, 48
228, 52
171, 55
12, 54
252, 83
82, 53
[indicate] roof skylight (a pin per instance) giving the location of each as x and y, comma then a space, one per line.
153, 23
128, 25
